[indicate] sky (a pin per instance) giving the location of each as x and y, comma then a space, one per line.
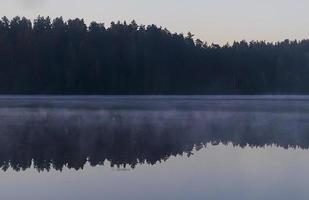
214, 21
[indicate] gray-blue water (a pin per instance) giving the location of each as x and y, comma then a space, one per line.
154, 147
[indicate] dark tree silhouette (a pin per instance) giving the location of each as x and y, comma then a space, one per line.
69, 57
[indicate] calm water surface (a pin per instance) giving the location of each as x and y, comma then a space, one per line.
154, 147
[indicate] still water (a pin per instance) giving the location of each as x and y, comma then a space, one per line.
154, 147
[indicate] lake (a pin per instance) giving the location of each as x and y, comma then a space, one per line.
154, 147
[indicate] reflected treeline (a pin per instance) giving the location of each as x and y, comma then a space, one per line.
58, 138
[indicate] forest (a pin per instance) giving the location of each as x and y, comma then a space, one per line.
56, 56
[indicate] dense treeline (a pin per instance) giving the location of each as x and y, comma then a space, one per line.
69, 57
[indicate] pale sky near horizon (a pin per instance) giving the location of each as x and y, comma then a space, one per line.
217, 21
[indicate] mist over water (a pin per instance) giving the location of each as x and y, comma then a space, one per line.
169, 147
55, 133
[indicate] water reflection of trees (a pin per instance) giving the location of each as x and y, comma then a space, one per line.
58, 139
